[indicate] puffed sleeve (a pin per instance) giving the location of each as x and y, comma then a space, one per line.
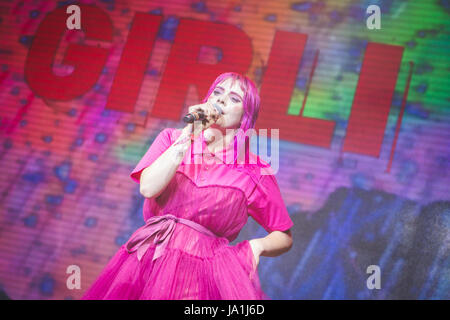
161, 143
266, 205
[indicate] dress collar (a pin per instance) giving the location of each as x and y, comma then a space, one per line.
227, 155
255, 168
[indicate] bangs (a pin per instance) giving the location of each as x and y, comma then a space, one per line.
251, 98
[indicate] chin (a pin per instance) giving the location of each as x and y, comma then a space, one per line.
218, 124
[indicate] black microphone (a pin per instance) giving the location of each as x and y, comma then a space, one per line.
199, 115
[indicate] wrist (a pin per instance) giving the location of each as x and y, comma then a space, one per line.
185, 138
258, 245
178, 150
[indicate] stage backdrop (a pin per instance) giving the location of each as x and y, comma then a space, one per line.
360, 96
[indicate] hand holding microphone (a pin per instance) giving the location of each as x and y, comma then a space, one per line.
207, 112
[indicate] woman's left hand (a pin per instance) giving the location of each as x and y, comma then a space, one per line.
257, 249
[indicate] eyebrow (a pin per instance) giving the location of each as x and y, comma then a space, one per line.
231, 92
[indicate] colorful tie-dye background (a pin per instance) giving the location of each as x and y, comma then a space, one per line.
67, 199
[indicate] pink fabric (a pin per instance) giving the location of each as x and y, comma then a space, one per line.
162, 228
214, 195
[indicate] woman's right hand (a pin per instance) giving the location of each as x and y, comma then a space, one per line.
211, 115
182, 143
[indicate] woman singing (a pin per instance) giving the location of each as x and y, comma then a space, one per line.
199, 190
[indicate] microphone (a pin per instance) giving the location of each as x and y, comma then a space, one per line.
199, 115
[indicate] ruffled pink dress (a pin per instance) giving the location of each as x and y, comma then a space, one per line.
183, 251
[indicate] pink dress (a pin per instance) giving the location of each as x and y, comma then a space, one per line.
183, 250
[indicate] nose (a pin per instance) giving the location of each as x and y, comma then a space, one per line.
221, 101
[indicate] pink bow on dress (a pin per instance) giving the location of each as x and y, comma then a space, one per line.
161, 227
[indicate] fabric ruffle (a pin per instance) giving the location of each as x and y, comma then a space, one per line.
194, 267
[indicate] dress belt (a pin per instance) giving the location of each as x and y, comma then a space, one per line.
162, 227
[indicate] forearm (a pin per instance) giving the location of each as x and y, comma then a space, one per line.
274, 244
156, 177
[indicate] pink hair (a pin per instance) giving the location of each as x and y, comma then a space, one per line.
251, 102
